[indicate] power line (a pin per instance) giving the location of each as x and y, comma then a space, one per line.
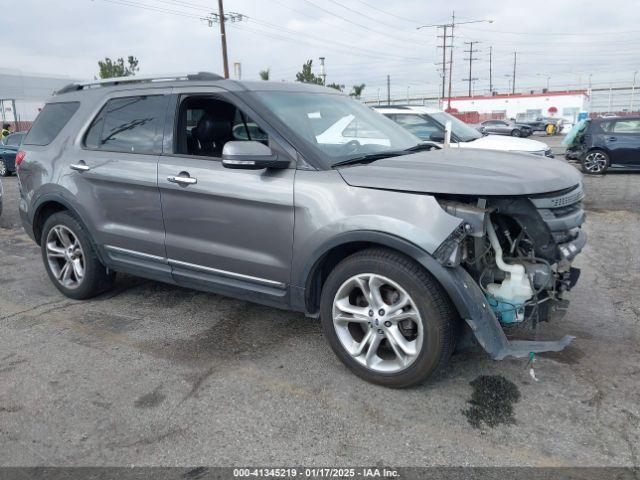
387, 13
359, 25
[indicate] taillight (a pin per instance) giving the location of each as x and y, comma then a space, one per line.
20, 157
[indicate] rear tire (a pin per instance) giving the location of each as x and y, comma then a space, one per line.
384, 350
595, 162
70, 258
4, 171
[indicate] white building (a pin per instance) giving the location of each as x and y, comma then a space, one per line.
27, 92
565, 104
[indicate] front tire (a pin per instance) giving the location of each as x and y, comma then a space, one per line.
387, 318
595, 162
70, 259
516, 133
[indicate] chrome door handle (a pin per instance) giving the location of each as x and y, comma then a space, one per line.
80, 167
183, 180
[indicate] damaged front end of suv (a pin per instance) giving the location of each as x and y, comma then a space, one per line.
519, 252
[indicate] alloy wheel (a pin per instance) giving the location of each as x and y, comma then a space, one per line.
65, 257
377, 323
3, 169
595, 162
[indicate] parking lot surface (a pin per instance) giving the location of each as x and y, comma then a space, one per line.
151, 374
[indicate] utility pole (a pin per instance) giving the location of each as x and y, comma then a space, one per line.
490, 71
388, 90
223, 37
513, 84
471, 58
445, 27
453, 24
222, 18
444, 59
633, 90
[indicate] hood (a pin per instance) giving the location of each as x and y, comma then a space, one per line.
465, 172
505, 143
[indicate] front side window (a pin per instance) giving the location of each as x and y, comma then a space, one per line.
336, 126
50, 122
130, 124
421, 126
460, 130
206, 123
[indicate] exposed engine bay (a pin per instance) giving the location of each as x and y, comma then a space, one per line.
519, 250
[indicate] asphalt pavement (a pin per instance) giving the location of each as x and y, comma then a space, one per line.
151, 374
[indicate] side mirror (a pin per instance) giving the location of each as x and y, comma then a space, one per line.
437, 137
250, 155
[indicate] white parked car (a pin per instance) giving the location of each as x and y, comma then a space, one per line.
428, 124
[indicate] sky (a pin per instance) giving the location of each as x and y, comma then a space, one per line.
563, 43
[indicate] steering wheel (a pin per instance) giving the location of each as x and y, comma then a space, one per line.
352, 146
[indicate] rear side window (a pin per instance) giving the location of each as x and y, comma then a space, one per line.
50, 121
131, 125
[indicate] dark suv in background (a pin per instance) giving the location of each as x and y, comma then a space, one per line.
607, 143
300, 197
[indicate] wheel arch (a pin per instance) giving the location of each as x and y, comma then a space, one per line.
334, 251
49, 204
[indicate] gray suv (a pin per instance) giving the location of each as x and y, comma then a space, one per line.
301, 198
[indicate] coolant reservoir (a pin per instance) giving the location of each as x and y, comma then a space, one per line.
507, 298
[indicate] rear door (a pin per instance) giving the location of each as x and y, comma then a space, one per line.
229, 231
623, 141
116, 179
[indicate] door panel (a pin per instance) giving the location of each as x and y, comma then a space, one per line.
232, 223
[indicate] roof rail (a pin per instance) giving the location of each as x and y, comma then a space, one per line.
110, 82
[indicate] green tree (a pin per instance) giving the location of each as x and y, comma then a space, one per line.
356, 90
264, 74
306, 75
336, 86
111, 69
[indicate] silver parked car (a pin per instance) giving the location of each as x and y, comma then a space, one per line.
505, 127
301, 198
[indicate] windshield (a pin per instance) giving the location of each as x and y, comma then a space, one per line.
337, 126
459, 129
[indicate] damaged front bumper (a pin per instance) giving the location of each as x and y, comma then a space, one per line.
553, 223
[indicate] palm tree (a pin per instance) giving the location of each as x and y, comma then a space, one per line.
264, 74
356, 91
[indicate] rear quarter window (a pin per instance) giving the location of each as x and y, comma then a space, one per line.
50, 122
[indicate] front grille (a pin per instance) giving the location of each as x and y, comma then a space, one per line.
559, 199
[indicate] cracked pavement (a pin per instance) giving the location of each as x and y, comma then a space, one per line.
151, 374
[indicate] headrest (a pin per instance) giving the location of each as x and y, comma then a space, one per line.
210, 129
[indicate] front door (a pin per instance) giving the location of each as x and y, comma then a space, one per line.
227, 230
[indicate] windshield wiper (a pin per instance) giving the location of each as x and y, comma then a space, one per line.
423, 146
370, 157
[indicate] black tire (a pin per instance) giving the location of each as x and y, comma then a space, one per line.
516, 133
438, 316
97, 278
584, 161
4, 171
